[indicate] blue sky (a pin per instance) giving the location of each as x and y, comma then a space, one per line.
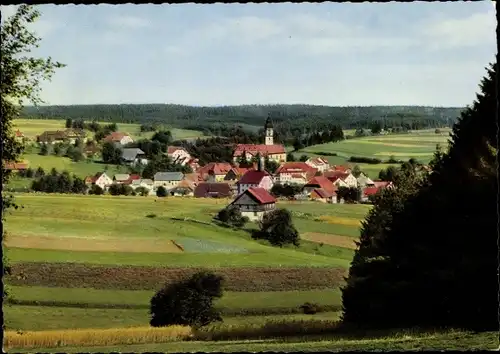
327, 53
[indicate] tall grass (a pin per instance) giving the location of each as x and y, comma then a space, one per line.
339, 220
95, 337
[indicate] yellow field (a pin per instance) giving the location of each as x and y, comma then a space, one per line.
330, 219
94, 337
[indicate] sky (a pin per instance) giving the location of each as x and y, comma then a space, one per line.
336, 54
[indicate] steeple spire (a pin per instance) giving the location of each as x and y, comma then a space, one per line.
268, 128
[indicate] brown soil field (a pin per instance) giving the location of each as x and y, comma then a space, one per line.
93, 245
152, 278
328, 239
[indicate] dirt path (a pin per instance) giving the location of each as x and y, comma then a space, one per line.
332, 240
92, 245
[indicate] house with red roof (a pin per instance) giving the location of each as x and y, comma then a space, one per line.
16, 166
319, 163
254, 203
295, 173
118, 138
178, 155
341, 179
19, 136
339, 168
274, 152
319, 182
100, 179
259, 178
321, 195
235, 173
214, 171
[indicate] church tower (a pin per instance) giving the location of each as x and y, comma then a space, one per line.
268, 128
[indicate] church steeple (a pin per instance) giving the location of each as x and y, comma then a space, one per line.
268, 128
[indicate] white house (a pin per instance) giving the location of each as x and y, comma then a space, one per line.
294, 173
100, 179
134, 156
145, 183
178, 155
119, 139
168, 180
318, 163
254, 203
364, 181
341, 179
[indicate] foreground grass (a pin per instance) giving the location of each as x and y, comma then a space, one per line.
37, 318
452, 340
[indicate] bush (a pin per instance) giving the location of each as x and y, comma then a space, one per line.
232, 215
96, 190
161, 192
120, 189
142, 191
188, 302
310, 308
277, 228
361, 159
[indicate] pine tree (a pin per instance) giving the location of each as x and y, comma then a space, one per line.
428, 250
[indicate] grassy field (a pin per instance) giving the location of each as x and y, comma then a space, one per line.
33, 127
98, 259
420, 145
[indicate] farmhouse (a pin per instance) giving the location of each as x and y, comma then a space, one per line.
145, 183
121, 178
218, 170
100, 179
118, 138
134, 156
364, 181
60, 136
321, 195
167, 179
341, 179
16, 166
235, 173
269, 149
320, 182
368, 192
213, 190
183, 188
383, 184
318, 163
255, 179
254, 203
19, 136
178, 155
339, 168
295, 172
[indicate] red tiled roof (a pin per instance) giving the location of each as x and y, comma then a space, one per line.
341, 168
335, 175
261, 195
216, 189
370, 191
322, 193
15, 166
291, 167
217, 168
381, 184
19, 134
172, 149
94, 178
322, 182
253, 177
115, 136
318, 161
262, 148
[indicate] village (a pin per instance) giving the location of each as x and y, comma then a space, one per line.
251, 186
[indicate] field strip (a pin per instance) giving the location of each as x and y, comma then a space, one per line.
246, 279
409, 153
381, 143
93, 244
332, 240
91, 337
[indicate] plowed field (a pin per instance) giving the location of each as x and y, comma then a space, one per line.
153, 278
332, 240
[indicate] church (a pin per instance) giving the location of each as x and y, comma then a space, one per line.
273, 152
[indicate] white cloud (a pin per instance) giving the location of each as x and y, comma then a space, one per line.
128, 22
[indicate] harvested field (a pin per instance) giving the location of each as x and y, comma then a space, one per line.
93, 244
332, 240
151, 278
